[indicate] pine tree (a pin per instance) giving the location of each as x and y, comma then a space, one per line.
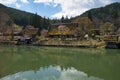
62, 19
36, 21
115, 14
44, 24
48, 24
67, 20
90, 15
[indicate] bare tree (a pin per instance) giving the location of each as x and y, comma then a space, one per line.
107, 28
5, 24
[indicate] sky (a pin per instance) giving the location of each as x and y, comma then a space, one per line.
56, 8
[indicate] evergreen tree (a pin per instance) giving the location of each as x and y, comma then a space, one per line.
90, 15
36, 21
62, 19
44, 24
67, 20
115, 14
48, 24
23, 21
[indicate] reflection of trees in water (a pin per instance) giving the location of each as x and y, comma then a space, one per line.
96, 62
51, 73
112, 51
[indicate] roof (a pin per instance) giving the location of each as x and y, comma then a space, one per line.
68, 28
30, 31
57, 24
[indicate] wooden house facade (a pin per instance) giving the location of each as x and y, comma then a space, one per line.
63, 30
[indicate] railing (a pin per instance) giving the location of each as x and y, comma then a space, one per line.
111, 38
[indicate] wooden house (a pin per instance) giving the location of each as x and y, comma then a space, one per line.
65, 30
111, 38
44, 32
29, 31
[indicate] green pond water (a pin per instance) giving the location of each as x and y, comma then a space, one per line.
55, 63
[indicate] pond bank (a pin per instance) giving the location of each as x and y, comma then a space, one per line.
79, 44
8, 42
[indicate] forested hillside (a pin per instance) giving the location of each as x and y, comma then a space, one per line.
99, 16
23, 18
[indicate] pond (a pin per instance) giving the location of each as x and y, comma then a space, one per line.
55, 63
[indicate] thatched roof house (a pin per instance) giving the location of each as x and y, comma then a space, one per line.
29, 31
62, 29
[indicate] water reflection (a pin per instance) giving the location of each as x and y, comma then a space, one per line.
51, 73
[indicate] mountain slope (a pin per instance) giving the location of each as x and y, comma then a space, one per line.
109, 13
19, 17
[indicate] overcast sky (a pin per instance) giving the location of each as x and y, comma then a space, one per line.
56, 8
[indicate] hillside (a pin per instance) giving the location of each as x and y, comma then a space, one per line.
103, 16
109, 13
16, 15
22, 18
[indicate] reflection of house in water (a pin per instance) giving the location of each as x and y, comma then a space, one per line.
63, 30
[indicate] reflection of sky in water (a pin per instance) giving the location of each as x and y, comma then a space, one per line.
51, 73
